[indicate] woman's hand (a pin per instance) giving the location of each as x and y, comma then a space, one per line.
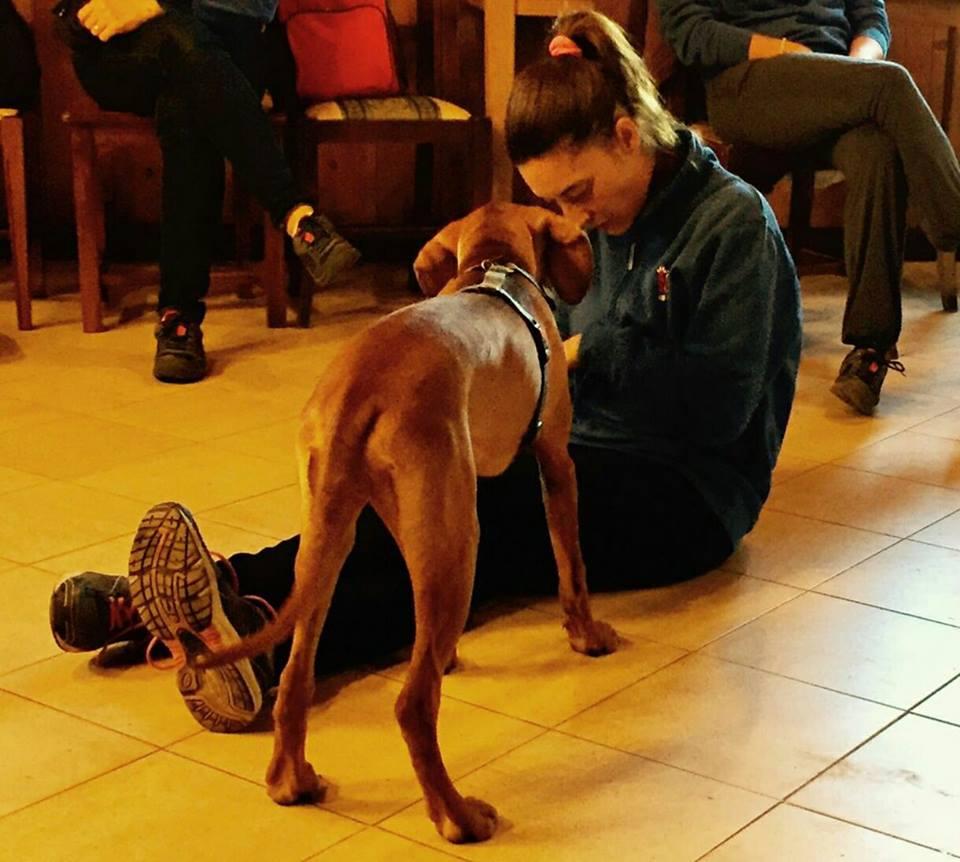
108, 18
571, 350
762, 47
865, 48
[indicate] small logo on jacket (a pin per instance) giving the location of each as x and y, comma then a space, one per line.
663, 283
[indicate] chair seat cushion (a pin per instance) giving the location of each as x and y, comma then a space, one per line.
8, 112
387, 108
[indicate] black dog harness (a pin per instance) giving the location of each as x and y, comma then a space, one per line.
496, 282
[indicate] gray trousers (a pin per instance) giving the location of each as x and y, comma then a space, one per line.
871, 122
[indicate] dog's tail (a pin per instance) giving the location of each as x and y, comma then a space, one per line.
332, 500
275, 631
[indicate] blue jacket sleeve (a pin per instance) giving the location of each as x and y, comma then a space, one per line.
869, 18
691, 28
709, 383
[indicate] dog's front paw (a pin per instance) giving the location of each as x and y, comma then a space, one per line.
593, 638
290, 782
477, 822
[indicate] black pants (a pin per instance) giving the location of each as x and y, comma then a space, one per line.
870, 120
641, 525
202, 81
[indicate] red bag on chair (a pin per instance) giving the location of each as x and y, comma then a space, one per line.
342, 48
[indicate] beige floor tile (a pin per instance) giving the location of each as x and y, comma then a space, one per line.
690, 614
944, 705
137, 701
14, 480
53, 518
375, 845
945, 533
802, 552
274, 442
521, 664
566, 799
19, 414
726, 712
86, 382
202, 476
812, 837
190, 412
275, 514
946, 426
163, 808
24, 631
910, 577
789, 466
840, 495
823, 428
82, 446
859, 650
905, 783
907, 455
44, 752
112, 556
354, 742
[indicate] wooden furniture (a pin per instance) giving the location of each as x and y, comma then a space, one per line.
451, 171
88, 129
15, 192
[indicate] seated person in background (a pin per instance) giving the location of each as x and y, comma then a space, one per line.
684, 358
812, 75
200, 73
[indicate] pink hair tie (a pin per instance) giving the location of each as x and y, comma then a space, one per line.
561, 46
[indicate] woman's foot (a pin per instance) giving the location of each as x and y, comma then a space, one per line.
192, 606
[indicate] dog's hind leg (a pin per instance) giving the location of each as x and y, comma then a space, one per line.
559, 483
436, 528
327, 538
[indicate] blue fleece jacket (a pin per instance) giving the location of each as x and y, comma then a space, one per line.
704, 378
715, 34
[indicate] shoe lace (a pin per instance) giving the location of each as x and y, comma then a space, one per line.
894, 364
122, 616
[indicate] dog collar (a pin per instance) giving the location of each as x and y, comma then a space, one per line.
496, 275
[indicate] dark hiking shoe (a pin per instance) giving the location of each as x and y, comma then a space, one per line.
324, 253
191, 605
91, 611
861, 376
180, 357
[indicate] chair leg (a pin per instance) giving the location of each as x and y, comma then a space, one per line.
947, 277
801, 205
274, 274
89, 216
15, 180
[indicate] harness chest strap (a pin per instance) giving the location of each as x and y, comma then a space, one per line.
495, 276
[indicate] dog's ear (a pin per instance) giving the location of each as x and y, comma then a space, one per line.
437, 262
567, 257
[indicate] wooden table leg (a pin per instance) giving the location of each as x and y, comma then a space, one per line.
15, 179
947, 277
89, 212
499, 41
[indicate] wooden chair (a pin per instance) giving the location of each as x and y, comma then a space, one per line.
15, 192
451, 165
89, 128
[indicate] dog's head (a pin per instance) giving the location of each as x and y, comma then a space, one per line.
550, 247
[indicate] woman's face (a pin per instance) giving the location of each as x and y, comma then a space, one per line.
599, 185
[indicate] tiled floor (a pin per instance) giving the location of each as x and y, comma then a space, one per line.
802, 703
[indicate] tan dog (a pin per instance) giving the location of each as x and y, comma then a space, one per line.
406, 418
